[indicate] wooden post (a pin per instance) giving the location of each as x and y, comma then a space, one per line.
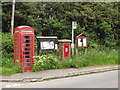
85, 50
76, 51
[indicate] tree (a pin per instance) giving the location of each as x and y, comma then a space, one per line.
99, 21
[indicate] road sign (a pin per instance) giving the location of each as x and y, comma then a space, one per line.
74, 24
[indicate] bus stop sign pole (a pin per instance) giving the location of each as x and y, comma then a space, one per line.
74, 26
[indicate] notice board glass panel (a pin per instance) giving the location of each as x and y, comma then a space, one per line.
84, 42
47, 45
79, 42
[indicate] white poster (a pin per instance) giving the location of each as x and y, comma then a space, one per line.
56, 46
84, 42
79, 42
51, 45
47, 45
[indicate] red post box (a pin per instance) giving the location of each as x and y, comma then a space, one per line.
24, 47
64, 48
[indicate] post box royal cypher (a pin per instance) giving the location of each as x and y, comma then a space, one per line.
24, 47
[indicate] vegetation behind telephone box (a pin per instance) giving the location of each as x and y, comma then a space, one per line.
96, 56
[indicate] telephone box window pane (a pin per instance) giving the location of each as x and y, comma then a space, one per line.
27, 37
26, 45
27, 49
16, 37
27, 65
26, 41
16, 56
16, 41
26, 56
26, 52
16, 44
16, 49
28, 60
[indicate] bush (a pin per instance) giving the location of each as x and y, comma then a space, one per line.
7, 45
46, 62
6, 62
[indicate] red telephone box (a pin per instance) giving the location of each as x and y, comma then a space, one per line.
24, 47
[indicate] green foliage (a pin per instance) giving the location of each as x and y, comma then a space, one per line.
46, 62
99, 21
10, 70
55, 27
7, 45
6, 71
7, 67
97, 57
93, 57
6, 62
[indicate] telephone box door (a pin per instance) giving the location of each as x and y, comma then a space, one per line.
27, 51
66, 50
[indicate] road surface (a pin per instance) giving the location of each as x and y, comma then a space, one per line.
98, 80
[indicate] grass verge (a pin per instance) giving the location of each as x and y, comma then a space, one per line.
93, 57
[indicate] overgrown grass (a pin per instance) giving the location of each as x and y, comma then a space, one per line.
93, 57
6, 71
7, 67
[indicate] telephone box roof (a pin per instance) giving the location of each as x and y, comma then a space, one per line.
23, 27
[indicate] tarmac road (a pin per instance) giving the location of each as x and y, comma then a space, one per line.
98, 80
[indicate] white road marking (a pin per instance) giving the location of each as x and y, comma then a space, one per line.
13, 85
